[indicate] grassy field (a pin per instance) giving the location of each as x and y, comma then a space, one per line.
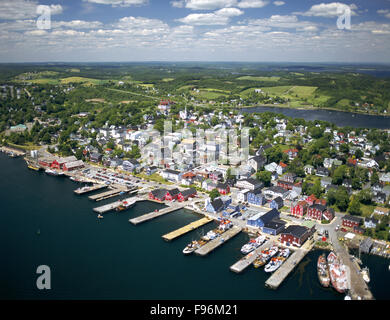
87, 81
271, 79
153, 177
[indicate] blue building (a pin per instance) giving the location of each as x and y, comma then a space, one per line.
260, 219
277, 203
274, 227
218, 204
256, 197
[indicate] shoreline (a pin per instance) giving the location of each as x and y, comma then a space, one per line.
313, 109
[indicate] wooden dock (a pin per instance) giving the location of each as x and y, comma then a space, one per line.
183, 230
84, 190
213, 244
155, 214
105, 195
279, 275
112, 206
246, 261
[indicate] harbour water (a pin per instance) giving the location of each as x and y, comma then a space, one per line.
44, 223
339, 118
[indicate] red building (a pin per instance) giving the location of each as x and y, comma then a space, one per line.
351, 221
184, 195
285, 185
158, 194
316, 211
223, 188
300, 209
295, 235
172, 194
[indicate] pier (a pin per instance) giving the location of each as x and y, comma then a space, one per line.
106, 195
246, 261
192, 226
112, 206
213, 244
85, 190
13, 151
279, 275
155, 214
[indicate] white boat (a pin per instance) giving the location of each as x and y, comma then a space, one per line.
252, 244
274, 264
284, 253
191, 247
100, 216
366, 274
347, 297
210, 235
53, 172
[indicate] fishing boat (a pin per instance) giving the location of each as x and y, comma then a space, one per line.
284, 253
366, 274
225, 225
53, 172
323, 271
274, 264
125, 205
211, 235
265, 255
252, 244
338, 273
193, 245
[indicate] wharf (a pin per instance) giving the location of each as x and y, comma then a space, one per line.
246, 261
192, 226
155, 214
105, 195
279, 275
90, 189
15, 152
112, 206
213, 244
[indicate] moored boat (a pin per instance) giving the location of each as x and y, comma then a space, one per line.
274, 264
252, 244
53, 172
265, 255
193, 245
125, 205
366, 274
337, 273
323, 271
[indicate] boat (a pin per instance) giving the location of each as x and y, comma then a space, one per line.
347, 297
33, 167
323, 271
211, 235
100, 216
338, 273
225, 225
284, 253
265, 255
252, 244
274, 264
53, 172
193, 245
125, 205
366, 274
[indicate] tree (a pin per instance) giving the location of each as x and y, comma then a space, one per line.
265, 177
354, 207
359, 153
316, 189
342, 199
374, 178
214, 194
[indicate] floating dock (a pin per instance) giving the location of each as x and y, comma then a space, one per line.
105, 195
246, 261
279, 275
213, 244
112, 206
89, 189
155, 214
192, 226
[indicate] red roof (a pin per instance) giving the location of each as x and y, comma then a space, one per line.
282, 164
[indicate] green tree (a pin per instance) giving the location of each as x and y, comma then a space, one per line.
214, 194
354, 207
265, 177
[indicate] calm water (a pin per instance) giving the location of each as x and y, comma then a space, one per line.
112, 259
339, 118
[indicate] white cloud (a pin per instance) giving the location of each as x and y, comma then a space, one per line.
77, 24
285, 22
384, 12
122, 3
219, 17
279, 3
329, 10
23, 9
205, 4
177, 4
252, 4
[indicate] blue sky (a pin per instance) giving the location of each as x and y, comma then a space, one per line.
195, 30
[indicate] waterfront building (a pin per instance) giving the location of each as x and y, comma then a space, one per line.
186, 194
158, 194
74, 165
172, 194
260, 219
274, 227
295, 235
